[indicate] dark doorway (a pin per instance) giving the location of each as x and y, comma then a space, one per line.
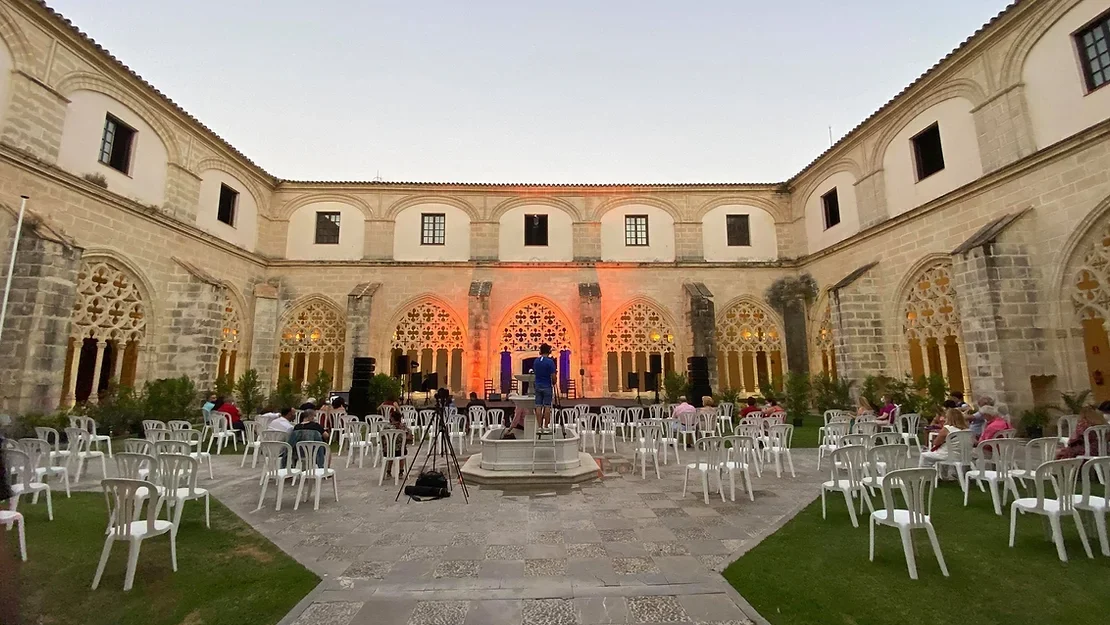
87, 365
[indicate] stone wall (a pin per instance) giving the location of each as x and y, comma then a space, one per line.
191, 345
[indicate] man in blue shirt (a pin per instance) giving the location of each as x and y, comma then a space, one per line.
544, 369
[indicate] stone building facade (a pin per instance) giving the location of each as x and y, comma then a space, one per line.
174, 254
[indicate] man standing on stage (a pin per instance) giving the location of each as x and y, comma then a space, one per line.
544, 370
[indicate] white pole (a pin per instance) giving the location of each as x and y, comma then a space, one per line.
11, 263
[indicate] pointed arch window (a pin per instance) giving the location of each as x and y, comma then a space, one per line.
749, 348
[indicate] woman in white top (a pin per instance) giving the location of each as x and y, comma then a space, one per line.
954, 420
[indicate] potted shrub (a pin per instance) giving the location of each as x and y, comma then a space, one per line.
796, 398
1034, 420
675, 385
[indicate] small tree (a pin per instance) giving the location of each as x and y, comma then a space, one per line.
319, 387
250, 393
383, 388
934, 390
797, 397
225, 385
729, 395
831, 393
170, 399
1075, 402
119, 411
675, 385
287, 394
767, 390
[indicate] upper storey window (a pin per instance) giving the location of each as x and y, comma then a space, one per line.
327, 228
1093, 50
433, 228
229, 201
830, 208
927, 152
535, 230
115, 144
636, 230
738, 230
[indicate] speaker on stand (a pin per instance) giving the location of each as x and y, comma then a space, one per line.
655, 373
697, 371
358, 402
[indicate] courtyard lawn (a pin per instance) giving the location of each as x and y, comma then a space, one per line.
805, 437
226, 575
815, 571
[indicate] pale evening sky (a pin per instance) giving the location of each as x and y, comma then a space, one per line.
540, 91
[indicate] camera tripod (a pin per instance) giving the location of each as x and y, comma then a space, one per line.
440, 446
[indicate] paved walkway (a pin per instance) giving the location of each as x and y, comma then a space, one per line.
617, 550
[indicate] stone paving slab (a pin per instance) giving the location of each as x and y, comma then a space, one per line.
617, 550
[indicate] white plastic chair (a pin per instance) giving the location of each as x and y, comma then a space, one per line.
386, 411
589, 424
195, 440
495, 417
724, 423
960, 445
882, 459
80, 451
155, 434
10, 518
50, 435
645, 441
867, 428
394, 450
607, 428
221, 432
340, 428
778, 446
356, 438
1037, 452
830, 438
908, 426
27, 482
250, 446
1062, 475
308, 453
621, 422
727, 409
425, 425
89, 425
138, 446
178, 473
1097, 506
670, 437
153, 424
180, 425
1065, 427
42, 457
916, 486
850, 459
707, 452
1001, 452
477, 416
273, 454
125, 524
738, 455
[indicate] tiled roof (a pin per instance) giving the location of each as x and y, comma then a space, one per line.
737, 185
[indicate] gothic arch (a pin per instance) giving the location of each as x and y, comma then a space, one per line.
1085, 234
822, 339
965, 88
553, 202
639, 331
432, 334
609, 205
23, 55
750, 345
416, 200
312, 338
78, 81
930, 325
234, 339
290, 207
730, 200
261, 200
1032, 31
562, 336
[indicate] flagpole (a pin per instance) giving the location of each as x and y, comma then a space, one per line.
11, 263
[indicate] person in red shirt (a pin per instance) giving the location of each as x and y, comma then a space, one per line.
750, 408
228, 406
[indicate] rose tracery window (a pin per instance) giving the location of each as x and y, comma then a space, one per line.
108, 325
312, 340
823, 341
1089, 291
532, 325
433, 339
749, 348
638, 337
231, 330
931, 326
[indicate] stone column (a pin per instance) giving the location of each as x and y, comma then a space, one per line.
37, 328
483, 240
265, 331
182, 193
357, 344
701, 318
855, 305
70, 397
871, 199
589, 310
191, 345
35, 117
688, 243
478, 332
97, 368
587, 242
1003, 127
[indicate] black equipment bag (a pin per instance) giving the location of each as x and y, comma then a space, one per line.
429, 485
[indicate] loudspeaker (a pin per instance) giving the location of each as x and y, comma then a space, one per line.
495, 397
633, 380
431, 383
655, 363
401, 365
697, 370
358, 401
362, 370
651, 381
415, 381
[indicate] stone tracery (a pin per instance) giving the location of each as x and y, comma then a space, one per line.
749, 346
931, 325
532, 324
634, 335
824, 342
312, 339
231, 330
432, 337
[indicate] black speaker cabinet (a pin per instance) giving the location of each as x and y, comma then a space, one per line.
633, 380
655, 363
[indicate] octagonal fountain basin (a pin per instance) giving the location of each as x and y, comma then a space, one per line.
509, 462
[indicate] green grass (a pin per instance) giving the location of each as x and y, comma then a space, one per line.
815, 571
805, 437
227, 575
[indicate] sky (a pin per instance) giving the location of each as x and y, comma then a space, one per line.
578, 91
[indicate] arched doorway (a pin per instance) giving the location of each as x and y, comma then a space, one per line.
1089, 290
312, 339
108, 327
635, 336
433, 338
824, 343
231, 332
749, 348
931, 326
528, 325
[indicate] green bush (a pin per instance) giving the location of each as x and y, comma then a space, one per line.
319, 387
730, 395
767, 390
287, 394
797, 397
830, 393
250, 393
24, 426
119, 412
675, 385
383, 388
225, 386
170, 399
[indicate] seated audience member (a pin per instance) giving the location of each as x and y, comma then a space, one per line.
307, 430
995, 424
753, 406
474, 401
708, 406
954, 421
772, 407
1004, 412
977, 421
958, 397
395, 423
308, 422
686, 414
284, 421
1088, 417
517, 424
211, 403
228, 406
309, 404
864, 407
886, 413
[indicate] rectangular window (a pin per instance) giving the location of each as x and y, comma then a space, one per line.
229, 201
636, 230
535, 230
738, 230
1093, 52
115, 145
327, 228
433, 228
927, 152
830, 208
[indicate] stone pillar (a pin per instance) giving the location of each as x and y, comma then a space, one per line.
589, 311
871, 199
587, 242
688, 243
98, 367
483, 240
359, 303
191, 345
36, 330
182, 193
1003, 128
379, 239
996, 291
478, 331
265, 332
701, 318
35, 117
856, 312
70, 396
